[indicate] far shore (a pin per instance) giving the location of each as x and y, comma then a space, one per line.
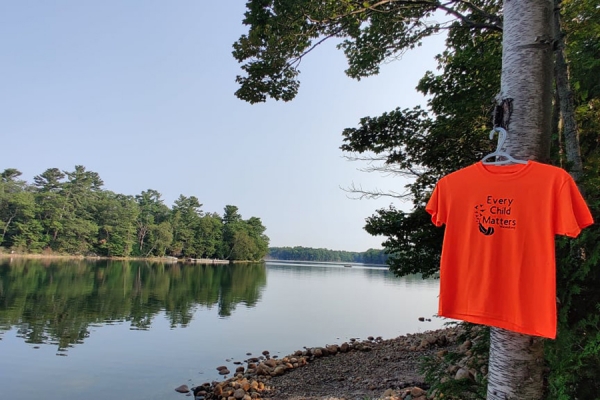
97, 258
82, 257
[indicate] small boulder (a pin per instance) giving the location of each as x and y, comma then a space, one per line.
465, 346
462, 373
271, 363
279, 370
333, 348
417, 392
182, 389
239, 394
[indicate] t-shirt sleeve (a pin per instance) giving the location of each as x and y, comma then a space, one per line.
436, 205
572, 213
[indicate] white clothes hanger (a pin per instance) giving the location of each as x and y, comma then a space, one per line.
499, 153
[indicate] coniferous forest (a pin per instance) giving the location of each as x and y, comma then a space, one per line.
69, 212
299, 253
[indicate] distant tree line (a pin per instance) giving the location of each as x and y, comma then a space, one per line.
70, 213
298, 253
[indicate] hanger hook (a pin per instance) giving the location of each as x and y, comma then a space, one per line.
502, 134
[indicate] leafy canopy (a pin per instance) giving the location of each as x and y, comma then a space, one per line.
282, 32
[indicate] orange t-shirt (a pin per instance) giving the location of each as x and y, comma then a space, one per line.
498, 263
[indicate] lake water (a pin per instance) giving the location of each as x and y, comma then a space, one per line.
136, 330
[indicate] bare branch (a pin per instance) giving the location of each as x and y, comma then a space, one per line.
358, 193
378, 164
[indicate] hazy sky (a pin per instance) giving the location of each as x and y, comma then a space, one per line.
142, 92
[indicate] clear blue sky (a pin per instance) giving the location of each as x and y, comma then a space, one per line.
142, 92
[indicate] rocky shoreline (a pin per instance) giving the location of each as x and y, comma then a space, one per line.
369, 369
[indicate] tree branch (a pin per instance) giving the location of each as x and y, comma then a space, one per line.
296, 61
478, 10
358, 193
470, 23
376, 8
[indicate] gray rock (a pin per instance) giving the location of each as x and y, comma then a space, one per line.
239, 394
182, 389
462, 374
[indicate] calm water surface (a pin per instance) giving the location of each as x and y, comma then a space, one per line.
135, 330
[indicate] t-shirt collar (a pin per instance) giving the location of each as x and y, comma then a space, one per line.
504, 172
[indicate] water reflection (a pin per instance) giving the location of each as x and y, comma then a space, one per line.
128, 315
57, 302
310, 270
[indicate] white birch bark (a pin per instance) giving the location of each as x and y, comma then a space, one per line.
515, 366
516, 360
527, 76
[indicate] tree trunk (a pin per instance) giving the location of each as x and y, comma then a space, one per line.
6, 228
566, 103
515, 366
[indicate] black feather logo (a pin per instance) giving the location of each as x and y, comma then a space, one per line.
487, 232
